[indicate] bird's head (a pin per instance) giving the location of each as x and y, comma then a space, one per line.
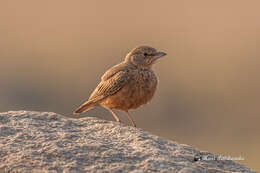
144, 56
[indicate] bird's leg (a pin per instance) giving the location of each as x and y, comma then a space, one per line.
114, 115
130, 118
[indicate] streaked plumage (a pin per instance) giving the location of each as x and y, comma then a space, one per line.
127, 85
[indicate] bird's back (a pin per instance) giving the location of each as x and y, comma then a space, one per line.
112, 80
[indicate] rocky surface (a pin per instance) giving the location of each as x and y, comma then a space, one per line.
48, 142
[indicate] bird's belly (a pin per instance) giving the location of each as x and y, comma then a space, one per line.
133, 95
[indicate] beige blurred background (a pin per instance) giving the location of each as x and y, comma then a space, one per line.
53, 54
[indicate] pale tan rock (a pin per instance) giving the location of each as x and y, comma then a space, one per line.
48, 142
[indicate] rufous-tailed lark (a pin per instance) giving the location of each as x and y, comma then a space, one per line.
128, 85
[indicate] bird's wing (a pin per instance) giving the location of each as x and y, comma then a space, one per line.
110, 86
112, 71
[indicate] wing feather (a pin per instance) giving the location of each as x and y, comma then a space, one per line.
110, 86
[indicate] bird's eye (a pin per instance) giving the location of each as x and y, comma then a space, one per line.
145, 54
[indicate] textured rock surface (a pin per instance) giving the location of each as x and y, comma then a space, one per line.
44, 141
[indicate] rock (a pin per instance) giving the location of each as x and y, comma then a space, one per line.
45, 141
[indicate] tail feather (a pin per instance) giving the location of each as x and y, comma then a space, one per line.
85, 107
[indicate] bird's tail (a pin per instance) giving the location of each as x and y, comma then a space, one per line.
85, 107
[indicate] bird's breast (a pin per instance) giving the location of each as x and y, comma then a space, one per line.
138, 91
146, 83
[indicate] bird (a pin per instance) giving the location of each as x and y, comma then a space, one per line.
127, 85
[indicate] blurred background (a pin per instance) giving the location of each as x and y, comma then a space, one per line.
53, 54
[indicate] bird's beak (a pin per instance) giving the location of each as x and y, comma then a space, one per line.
158, 55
